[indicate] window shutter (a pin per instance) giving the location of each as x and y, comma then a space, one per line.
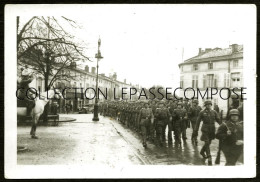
215, 80
197, 82
241, 80
228, 80
204, 81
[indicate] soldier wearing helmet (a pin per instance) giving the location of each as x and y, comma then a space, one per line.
194, 113
179, 115
231, 135
209, 117
172, 106
152, 130
146, 116
162, 116
186, 123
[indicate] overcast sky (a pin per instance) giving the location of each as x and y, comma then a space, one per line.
144, 43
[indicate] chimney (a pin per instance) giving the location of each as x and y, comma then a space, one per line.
115, 76
233, 48
200, 51
87, 68
93, 70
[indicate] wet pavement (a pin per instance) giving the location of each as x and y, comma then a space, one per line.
104, 142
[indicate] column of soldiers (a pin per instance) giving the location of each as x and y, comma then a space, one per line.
151, 118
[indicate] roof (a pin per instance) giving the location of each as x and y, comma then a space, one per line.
215, 55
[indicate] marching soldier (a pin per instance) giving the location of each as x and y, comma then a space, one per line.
208, 116
152, 125
162, 115
172, 106
194, 113
179, 115
186, 123
146, 116
136, 121
234, 105
231, 135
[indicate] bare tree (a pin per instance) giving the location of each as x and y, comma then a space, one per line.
49, 48
44, 43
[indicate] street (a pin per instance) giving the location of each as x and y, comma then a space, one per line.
103, 142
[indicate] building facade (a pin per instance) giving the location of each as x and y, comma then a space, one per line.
213, 68
85, 82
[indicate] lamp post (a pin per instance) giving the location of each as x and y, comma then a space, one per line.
98, 56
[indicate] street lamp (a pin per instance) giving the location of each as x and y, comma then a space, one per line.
98, 56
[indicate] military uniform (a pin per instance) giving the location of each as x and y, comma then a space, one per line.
208, 128
208, 116
162, 116
136, 123
179, 115
146, 115
194, 113
171, 107
153, 125
230, 146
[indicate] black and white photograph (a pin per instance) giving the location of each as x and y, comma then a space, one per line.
130, 91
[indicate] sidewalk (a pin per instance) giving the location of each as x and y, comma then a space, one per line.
80, 142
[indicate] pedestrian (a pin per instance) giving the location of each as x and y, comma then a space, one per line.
23, 82
208, 116
231, 135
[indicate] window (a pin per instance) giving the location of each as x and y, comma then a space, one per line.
235, 79
235, 63
210, 80
210, 66
195, 81
75, 84
181, 82
195, 67
227, 80
181, 68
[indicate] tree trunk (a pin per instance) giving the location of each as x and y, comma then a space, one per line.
46, 85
